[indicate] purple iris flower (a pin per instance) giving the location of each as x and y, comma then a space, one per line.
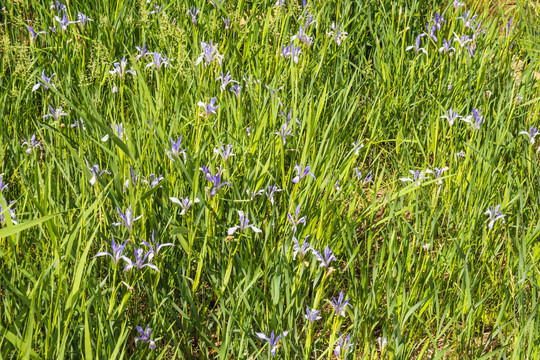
254, 193
431, 31
120, 68
157, 10
193, 12
139, 262
416, 47
461, 154
438, 20
327, 258
64, 21
46, 81
339, 304
467, 19
458, 4
336, 33
302, 36
472, 50
270, 192
283, 133
175, 149
244, 224
494, 215
463, 40
367, 179
438, 174
209, 53
117, 250
446, 47
216, 3
301, 172
153, 180
209, 108
236, 90
145, 337
273, 92
312, 315
531, 134
272, 340
451, 116
127, 219
296, 221
59, 6
159, 61
117, 129
3, 185
154, 247
288, 117
309, 19
382, 341
94, 169
227, 22
478, 119
215, 180
300, 249
34, 34
11, 211
418, 176
142, 51
55, 113
342, 346
225, 80
357, 146
224, 152
31, 143
184, 203
82, 19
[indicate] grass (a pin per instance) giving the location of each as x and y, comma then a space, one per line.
419, 264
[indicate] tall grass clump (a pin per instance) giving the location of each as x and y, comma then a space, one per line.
258, 179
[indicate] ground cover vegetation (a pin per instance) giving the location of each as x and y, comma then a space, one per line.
258, 179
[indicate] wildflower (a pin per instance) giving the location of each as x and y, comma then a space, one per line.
471, 49
153, 180
209, 53
339, 304
184, 203
458, 4
253, 193
55, 113
288, 117
120, 68
463, 40
438, 20
296, 221
430, 32
478, 119
418, 176
283, 133
34, 34
382, 341
175, 149
336, 33
46, 82
115, 89
478, 30
145, 337
31, 143
426, 247
367, 179
309, 19
300, 249
279, 3
416, 45
64, 21
302, 36
139, 262
236, 90
244, 224
494, 215
127, 219
59, 6
142, 51
159, 61
272, 340
225, 80
531, 134
357, 146
193, 12
519, 97
312, 315
248, 130
11, 212
216, 3
215, 180
326, 259
271, 191
82, 19
157, 10
117, 129
438, 174
467, 19
341, 347
94, 169
227, 22
446, 47
209, 108
301, 172
154, 247
291, 51
117, 250
3, 185
224, 152
451, 116
273, 93
461, 154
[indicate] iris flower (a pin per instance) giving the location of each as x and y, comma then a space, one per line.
145, 337
272, 340
531, 134
127, 219
244, 224
327, 258
302, 172
184, 203
46, 81
494, 215
117, 250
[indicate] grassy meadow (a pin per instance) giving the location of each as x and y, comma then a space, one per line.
252, 179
